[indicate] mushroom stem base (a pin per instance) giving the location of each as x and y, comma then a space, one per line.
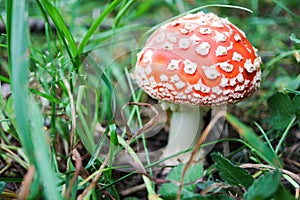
185, 130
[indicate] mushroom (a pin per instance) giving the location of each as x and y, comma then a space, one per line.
198, 60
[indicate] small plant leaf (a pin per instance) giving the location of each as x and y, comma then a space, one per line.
193, 173
296, 105
169, 190
232, 174
281, 110
2, 187
291, 82
294, 38
282, 193
264, 187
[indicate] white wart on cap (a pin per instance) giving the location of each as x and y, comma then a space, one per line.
198, 59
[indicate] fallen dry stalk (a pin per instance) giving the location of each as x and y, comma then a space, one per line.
294, 176
25, 188
215, 187
146, 127
73, 113
78, 165
131, 190
262, 166
94, 182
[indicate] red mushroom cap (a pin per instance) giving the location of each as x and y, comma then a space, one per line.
198, 59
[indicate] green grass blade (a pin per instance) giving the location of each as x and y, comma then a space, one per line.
8, 24
265, 136
19, 68
61, 27
283, 137
4, 79
281, 5
85, 127
122, 12
46, 96
270, 65
255, 142
96, 25
109, 93
292, 91
37, 151
136, 159
193, 11
101, 143
42, 157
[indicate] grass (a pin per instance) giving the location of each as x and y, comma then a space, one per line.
62, 131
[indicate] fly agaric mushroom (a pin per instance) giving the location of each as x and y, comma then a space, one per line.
198, 60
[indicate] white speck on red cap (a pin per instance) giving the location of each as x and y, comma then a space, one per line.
173, 65
195, 39
203, 49
221, 51
237, 57
237, 37
219, 37
189, 67
226, 66
198, 59
184, 43
164, 78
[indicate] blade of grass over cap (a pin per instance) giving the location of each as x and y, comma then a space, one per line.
19, 69
143, 38
96, 25
254, 141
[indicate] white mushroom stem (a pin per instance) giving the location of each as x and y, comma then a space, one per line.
185, 129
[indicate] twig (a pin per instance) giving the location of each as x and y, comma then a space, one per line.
290, 174
26, 183
147, 126
94, 182
261, 166
78, 165
132, 189
293, 162
73, 113
196, 148
215, 187
14, 156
